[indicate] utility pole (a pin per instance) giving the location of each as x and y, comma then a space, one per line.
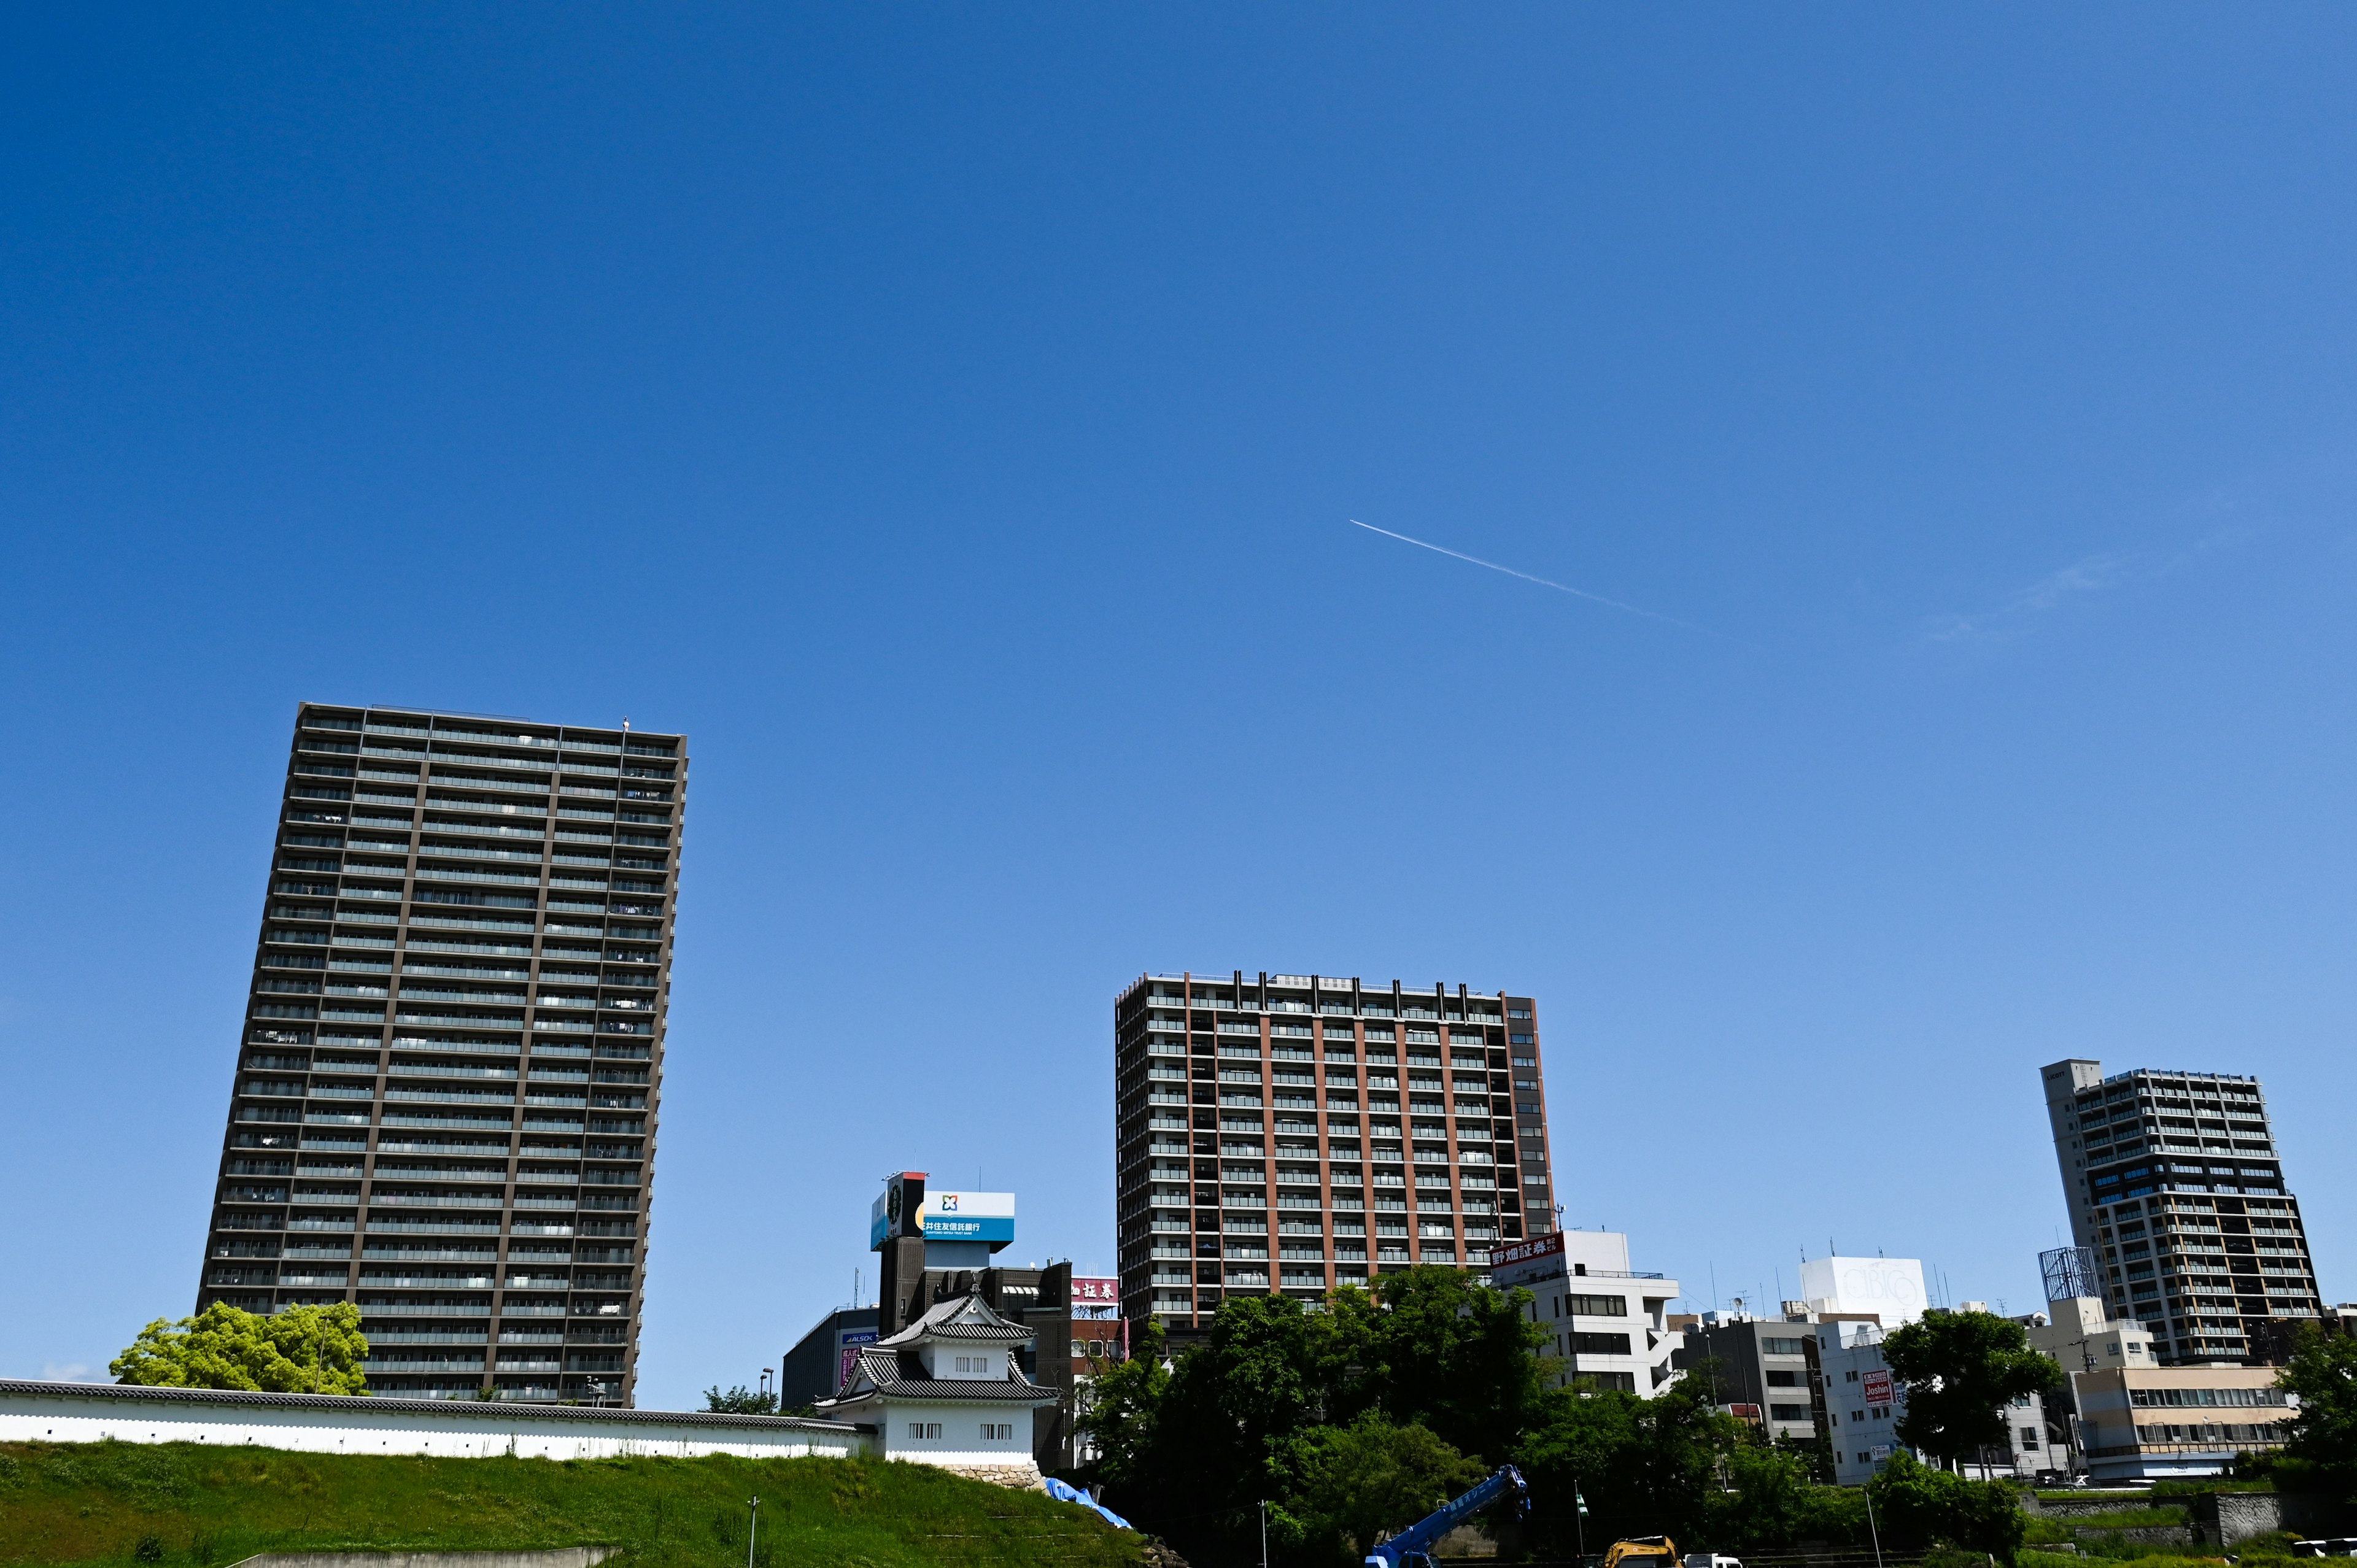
1872, 1528
1579, 1520
1263, 1534
753, 1534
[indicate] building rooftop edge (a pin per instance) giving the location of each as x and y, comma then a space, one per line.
1307, 982
432, 712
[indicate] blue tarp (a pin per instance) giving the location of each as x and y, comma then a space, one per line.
1068, 1494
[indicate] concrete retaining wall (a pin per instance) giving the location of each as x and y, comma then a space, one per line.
2143, 1534
2228, 1518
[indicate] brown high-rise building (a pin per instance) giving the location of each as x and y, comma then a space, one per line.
447, 1080
1294, 1132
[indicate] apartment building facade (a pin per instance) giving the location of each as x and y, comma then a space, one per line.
2174, 1180
1293, 1133
1607, 1324
449, 1075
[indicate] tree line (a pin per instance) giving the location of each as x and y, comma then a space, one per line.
1353, 1419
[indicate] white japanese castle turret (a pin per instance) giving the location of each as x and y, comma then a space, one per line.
949, 1389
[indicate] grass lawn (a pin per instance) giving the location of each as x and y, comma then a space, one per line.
190, 1504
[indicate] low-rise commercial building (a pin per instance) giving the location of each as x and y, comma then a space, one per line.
2082, 1336
1608, 1324
2164, 1422
1765, 1364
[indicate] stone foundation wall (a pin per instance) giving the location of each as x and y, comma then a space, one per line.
2228, 1518
1022, 1478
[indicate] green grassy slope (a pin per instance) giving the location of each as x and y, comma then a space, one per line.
188, 1504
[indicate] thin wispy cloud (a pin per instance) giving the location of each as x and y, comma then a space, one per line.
2053, 592
70, 1372
1527, 577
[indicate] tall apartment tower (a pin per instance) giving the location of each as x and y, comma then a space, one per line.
1297, 1131
2174, 1183
447, 1078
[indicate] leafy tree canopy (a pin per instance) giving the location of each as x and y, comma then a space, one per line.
298, 1350
1645, 1466
1962, 1370
1194, 1445
2323, 1375
1355, 1421
740, 1400
1345, 1488
1916, 1507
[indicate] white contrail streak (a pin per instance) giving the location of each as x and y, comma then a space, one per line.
1525, 577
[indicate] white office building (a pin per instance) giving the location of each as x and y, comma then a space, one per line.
1892, 1289
1606, 1323
1864, 1404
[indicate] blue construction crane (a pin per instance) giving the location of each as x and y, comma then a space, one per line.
1411, 1548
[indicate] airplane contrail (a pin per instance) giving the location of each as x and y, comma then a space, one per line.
1525, 577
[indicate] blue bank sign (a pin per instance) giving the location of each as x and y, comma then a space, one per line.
968, 1216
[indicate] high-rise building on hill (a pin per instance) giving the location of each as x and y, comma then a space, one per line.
447, 1078
2175, 1185
1295, 1131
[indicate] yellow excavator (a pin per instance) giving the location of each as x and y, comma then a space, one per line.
1643, 1551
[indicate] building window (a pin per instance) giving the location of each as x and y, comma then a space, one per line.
1597, 1306
1788, 1413
1601, 1345
998, 1432
2029, 1437
924, 1429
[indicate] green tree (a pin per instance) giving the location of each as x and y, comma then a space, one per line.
1123, 1409
298, 1350
2323, 1376
1431, 1347
1645, 1465
1341, 1488
1962, 1370
740, 1400
1918, 1508
1771, 1500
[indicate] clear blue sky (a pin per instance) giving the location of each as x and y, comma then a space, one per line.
949, 418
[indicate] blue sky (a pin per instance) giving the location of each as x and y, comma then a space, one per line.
951, 420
